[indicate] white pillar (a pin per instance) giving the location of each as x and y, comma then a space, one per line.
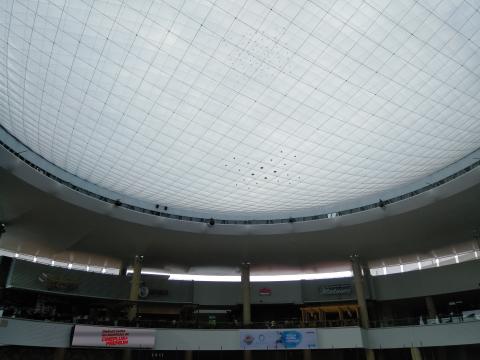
246, 315
416, 353
247, 318
135, 286
360, 292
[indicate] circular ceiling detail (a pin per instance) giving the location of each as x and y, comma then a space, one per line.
243, 106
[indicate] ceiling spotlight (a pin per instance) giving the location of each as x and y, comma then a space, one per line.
211, 222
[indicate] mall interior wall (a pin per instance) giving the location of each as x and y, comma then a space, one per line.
49, 334
447, 279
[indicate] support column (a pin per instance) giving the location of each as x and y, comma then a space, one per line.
362, 303
307, 354
135, 286
188, 355
416, 353
431, 308
246, 314
134, 291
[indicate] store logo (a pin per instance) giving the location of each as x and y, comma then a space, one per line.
248, 339
115, 337
57, 283
145, 292
265, 291
290, 339
338, 289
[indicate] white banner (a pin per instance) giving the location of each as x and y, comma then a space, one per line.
271, 339
113, 337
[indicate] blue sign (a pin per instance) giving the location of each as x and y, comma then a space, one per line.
290, 339
272, 339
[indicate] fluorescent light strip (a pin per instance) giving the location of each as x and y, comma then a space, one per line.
296, 277
51, 262
228, 278
253, 278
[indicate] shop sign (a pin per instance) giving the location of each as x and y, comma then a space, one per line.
337, 289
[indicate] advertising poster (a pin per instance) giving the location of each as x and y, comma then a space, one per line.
113, 337
277, 339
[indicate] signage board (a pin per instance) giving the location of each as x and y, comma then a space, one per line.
337, 289
113, 337
145, 292
57, 283
265, 291
278, 339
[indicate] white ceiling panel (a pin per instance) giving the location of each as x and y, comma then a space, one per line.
242, 106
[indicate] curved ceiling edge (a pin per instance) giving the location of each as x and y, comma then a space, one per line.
33, 169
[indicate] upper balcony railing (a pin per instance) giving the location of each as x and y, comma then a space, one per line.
280, 324
116, 202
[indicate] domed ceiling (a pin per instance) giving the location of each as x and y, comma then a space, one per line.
243, 106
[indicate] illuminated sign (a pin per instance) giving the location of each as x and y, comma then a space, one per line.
113, 337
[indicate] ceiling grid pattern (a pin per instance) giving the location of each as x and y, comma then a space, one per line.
242, 106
